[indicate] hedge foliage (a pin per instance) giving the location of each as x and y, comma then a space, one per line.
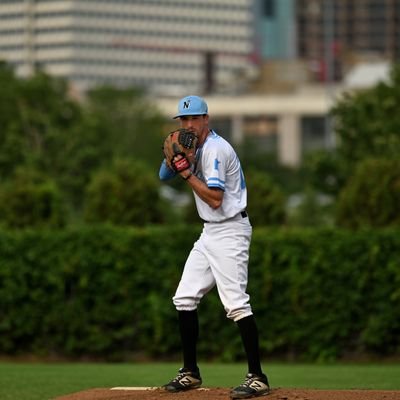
105, 292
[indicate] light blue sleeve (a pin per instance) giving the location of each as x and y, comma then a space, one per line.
165, 172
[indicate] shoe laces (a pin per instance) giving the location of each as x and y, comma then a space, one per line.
181, 375
249, 380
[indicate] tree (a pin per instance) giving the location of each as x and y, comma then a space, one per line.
367, 122
126, 194
11, 143
371, 197
266, 202
325, 171
130, 124
367, 125
43, 128
8, 95
31, 199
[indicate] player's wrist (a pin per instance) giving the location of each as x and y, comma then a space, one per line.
186, 175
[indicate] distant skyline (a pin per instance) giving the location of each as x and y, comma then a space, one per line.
178, 46
154, 44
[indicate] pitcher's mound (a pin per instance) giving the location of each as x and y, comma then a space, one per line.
142, 393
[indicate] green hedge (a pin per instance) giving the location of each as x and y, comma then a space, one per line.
106, 292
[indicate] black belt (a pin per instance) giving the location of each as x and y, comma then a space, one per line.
242, 213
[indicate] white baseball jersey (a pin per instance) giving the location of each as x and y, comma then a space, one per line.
219, 167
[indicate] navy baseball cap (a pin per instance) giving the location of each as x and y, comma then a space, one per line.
191, 105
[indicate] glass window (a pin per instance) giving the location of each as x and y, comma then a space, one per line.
313, 133
269, 8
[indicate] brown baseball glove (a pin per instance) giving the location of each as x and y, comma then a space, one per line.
182, 143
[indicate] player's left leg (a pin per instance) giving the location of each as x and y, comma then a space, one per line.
189, 331
228, 255
229, 264
256, 382
249, 334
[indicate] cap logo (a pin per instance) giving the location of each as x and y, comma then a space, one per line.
186, 104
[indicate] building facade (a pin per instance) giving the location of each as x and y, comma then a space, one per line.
216, 48
170, 45
277, 29
334, 35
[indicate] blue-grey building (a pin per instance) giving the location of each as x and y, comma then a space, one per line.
276, 32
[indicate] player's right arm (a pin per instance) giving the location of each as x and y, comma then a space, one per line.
212, 196
211, 189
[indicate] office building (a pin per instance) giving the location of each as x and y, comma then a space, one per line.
334, 35
161, 45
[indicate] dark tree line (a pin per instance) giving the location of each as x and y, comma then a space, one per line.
52, 146
95, 159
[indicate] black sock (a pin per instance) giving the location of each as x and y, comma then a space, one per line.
249, 333
189, 330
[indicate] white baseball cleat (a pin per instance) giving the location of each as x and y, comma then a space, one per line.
185, 380
253, 386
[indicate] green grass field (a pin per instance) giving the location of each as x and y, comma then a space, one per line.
37, 381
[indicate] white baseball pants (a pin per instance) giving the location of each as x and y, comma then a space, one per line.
219, 257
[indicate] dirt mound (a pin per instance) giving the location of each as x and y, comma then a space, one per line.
223, 393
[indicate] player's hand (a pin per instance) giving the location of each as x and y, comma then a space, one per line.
180, 163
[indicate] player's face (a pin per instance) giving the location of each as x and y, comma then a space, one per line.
196, 123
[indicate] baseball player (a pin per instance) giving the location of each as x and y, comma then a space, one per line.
220, 256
